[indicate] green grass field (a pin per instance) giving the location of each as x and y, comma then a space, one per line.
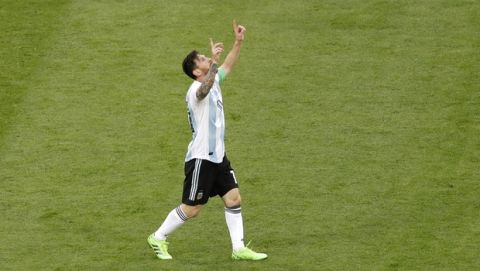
353, 127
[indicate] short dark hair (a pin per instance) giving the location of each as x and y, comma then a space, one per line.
189, 64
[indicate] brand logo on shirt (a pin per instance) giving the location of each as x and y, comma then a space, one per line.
220, 104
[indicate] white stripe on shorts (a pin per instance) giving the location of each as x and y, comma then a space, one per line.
195, 175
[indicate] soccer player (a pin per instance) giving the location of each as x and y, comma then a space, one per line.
207, 170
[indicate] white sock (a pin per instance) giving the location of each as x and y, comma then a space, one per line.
233, 216
174, 220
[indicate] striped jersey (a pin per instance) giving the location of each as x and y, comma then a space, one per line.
207, 121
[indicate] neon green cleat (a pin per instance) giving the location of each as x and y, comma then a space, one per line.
248, 254
160, 247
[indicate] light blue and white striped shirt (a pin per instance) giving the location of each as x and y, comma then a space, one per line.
207, 122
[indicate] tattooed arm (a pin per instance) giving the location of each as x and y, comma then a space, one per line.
209, 78
207, 84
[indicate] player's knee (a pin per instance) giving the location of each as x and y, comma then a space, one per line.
232, 198
192, 211
235, 200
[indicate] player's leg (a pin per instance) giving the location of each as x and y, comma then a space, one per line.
191, 211
233, 217
179, 215
232, 198
230, 193
197, 175
176, 218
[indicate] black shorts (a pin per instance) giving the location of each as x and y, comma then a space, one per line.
205, 179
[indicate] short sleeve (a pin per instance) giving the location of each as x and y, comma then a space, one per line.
221, 75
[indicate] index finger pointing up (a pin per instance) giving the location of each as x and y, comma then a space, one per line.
235, 25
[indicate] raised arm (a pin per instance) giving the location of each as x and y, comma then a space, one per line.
209, 79
233, 54
207, 83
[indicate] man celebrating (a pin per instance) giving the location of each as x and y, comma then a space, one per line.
207, 170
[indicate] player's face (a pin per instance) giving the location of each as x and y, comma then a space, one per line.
203, 63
